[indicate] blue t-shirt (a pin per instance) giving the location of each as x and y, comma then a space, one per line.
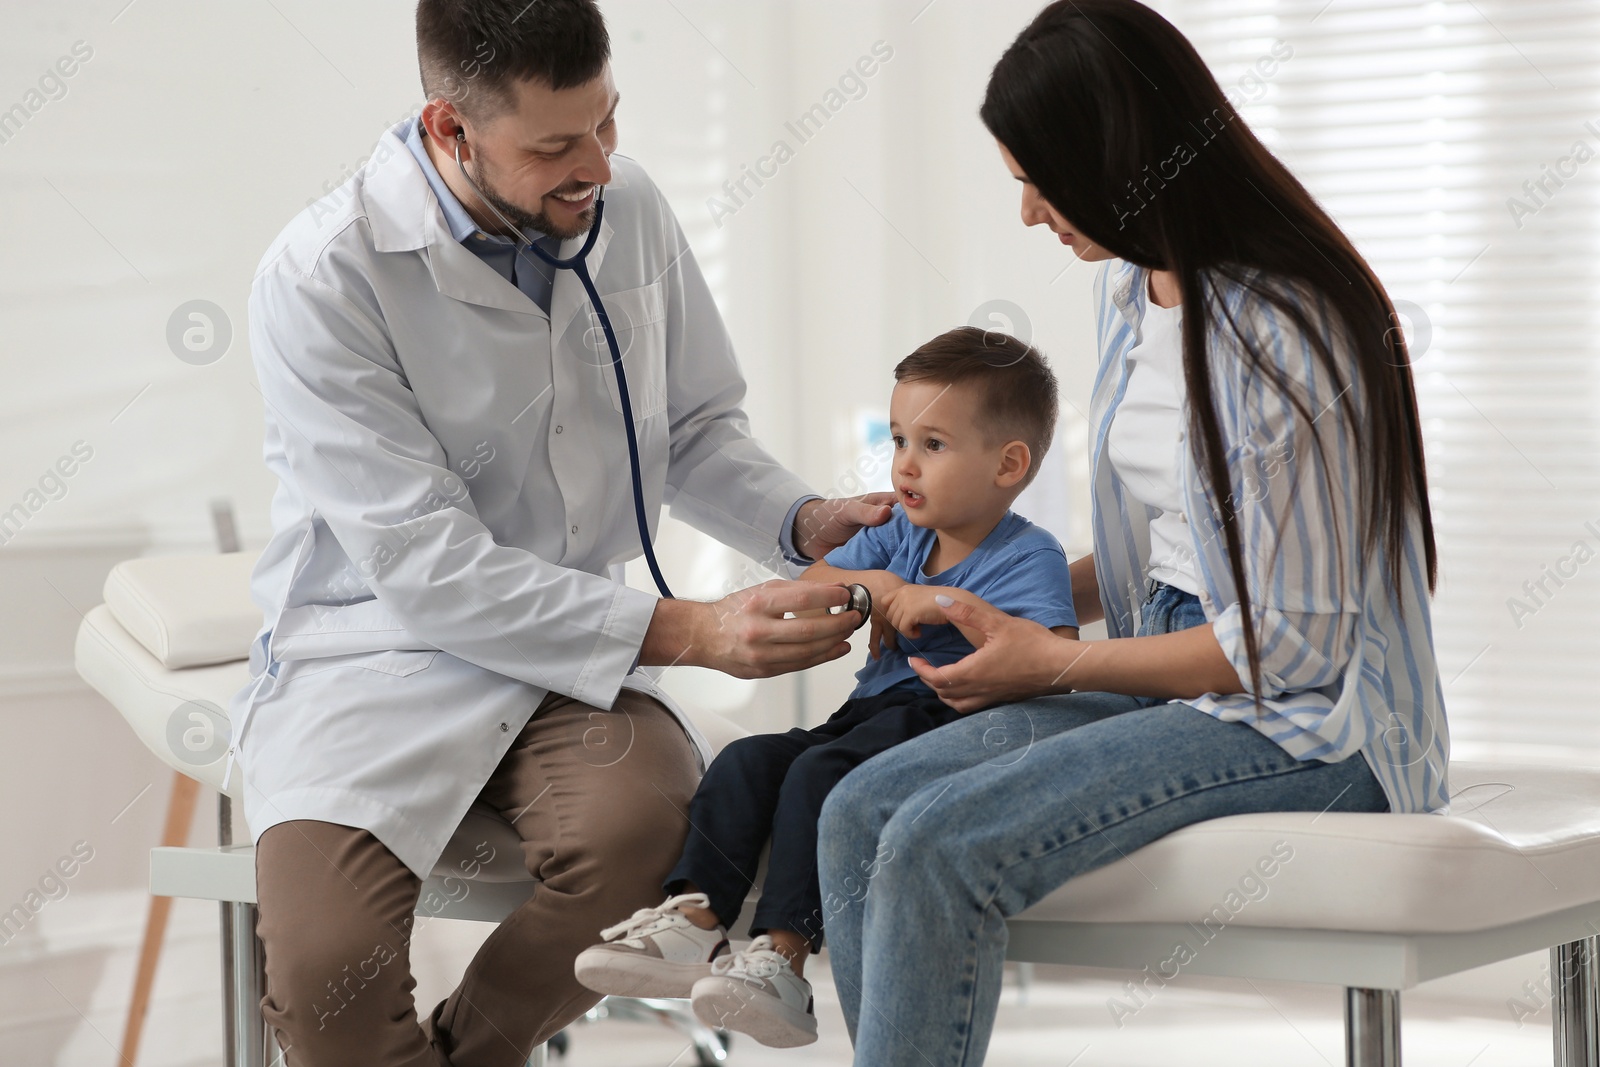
1019, 568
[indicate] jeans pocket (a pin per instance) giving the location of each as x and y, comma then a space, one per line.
1189, 614
1156, 613
1169, 609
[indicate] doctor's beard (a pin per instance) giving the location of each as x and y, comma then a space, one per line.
541, 221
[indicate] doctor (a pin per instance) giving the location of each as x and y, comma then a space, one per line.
445, 620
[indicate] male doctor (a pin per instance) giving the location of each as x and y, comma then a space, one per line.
445, 620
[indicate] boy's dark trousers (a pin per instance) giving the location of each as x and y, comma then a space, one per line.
773, 785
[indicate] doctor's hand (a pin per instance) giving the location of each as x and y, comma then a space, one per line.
1016, 659
820, 526
746, 635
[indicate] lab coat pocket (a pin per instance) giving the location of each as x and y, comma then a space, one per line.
639, 319
400, 664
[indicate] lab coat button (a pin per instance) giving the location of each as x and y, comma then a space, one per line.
505, 728
558, 429
574, 529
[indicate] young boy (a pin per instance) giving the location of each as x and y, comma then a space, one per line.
972, 414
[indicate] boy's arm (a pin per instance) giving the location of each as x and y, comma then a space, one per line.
919, 606
1035, 585
879, 583
883, 585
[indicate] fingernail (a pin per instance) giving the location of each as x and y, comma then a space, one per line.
944, 601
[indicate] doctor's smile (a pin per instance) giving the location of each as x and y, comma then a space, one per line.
559, 138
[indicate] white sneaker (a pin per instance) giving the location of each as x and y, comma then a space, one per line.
657, 953
756, 992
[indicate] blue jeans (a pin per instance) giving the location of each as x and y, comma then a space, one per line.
927, 849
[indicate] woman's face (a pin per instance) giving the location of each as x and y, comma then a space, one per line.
1037, 211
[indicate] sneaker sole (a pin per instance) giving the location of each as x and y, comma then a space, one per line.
618, 975
727, 1004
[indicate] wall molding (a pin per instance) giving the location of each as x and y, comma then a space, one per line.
30, 681
138, 537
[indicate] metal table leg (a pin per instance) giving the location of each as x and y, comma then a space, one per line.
1372, 1028
1575, 1027
244, 970
243, 982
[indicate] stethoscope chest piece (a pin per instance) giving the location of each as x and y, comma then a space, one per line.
860, 600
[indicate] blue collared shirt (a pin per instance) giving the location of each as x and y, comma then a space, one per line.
533, 276
510, 259
1347, 661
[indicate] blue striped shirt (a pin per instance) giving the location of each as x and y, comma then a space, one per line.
1347, 660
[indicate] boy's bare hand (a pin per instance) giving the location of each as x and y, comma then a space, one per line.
906, 609
884, 587
913, 606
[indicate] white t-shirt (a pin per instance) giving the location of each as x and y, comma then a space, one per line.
1146, 436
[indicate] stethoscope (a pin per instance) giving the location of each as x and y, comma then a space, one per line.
578, 265
860, 597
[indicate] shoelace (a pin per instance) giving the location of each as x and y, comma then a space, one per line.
647, 921
760, 959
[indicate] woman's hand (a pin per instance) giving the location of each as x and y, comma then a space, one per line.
1016, 659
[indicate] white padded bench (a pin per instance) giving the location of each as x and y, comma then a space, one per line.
1374, 903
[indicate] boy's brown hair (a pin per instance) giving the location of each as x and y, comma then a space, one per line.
1019, 390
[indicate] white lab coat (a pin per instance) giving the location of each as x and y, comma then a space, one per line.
454, 502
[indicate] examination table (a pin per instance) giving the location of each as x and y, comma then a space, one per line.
1373, 903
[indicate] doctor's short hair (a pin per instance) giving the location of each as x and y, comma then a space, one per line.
1018, 388
473, 52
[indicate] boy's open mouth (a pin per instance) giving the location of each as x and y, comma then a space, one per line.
911, 498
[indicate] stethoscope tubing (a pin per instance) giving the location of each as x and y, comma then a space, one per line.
579, 266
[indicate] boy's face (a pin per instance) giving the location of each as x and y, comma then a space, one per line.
947, 472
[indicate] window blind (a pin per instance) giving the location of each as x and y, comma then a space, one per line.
1457, 144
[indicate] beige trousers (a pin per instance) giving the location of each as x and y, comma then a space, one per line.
599, 831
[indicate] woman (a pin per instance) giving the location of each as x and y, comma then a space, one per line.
1256, 456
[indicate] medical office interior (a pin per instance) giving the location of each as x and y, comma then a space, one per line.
826, 162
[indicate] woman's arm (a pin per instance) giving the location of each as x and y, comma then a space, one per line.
1086, 591
1017, 660
1174, 666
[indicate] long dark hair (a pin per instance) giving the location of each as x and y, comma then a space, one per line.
1114, 118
